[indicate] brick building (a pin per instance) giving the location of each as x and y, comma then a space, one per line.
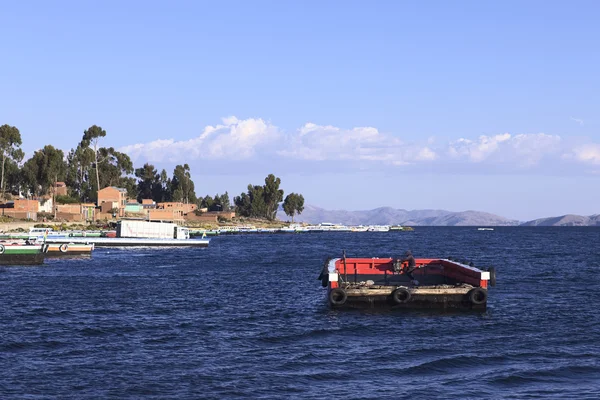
112, 197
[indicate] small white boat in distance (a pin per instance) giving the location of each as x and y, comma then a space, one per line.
378, 228
485, 229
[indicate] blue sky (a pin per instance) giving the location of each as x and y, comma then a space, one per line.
466, 105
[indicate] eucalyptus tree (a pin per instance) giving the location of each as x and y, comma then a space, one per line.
44, 169
182, 185
166, 186
148, 180
293, 204
79, 161
258, 206
243, 204
113, 165
272, 196
91, 139
260, 201
10, 147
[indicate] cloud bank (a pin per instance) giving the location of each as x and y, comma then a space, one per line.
256, 139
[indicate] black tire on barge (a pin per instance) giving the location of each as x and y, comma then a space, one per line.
477, 296
338, 296
400, 296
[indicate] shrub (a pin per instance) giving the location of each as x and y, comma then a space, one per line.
66, 200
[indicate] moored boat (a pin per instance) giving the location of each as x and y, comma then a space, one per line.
437, 283
70, 249
378, 228
400, 228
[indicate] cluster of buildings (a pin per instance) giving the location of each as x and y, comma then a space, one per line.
113, 204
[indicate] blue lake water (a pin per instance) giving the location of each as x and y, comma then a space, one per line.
247, 318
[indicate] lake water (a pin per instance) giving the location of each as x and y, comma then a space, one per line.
247, 318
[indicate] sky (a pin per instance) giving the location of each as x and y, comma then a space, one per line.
465, 105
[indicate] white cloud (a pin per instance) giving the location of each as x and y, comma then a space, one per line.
579, 121
234, 138
589, 154
326, 142
256, 139
522, 149
479, 150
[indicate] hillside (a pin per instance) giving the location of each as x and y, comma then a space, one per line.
566, 220
391, 216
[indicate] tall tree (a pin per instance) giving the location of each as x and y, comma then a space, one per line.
165, 182
43, 169
207, 202
243, 205
225, 202
182, 185
113, 165
129, 183
258, 208
79, 161
148, 180
260, 201
272, 196
91, 139
13, 177
293, 203
10, 143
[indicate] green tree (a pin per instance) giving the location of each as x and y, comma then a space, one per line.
148, 180
258, 208
243, 205
182, 185
91, 140
43, 169
272, 196
113, 165
13, 177
10, 147
79, 161
207, 202
260, 201
293, 204
129, 183
166, 185
225, 202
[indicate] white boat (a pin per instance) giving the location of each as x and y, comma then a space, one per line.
40, 233
378, 228
485, 229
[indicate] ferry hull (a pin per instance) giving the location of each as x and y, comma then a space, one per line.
18, 254
22, 259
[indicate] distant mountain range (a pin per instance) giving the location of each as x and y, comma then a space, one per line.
392, 216
566, 220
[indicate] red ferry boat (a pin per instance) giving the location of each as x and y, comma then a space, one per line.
438, 283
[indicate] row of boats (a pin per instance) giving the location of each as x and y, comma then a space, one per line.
298, 228
30, 248
32, 252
